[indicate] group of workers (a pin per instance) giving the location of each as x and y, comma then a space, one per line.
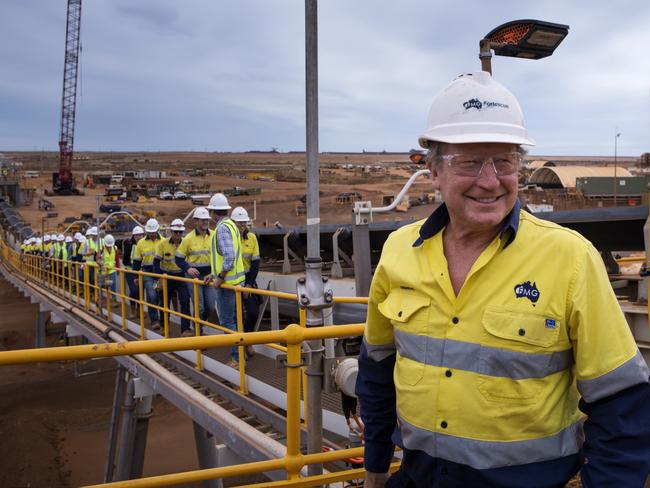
228, 254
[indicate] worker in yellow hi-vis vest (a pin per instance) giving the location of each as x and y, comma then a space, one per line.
226, 264
250, 250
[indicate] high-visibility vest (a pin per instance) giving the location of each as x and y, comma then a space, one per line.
236, 274
88, 251
109, 258
61, 251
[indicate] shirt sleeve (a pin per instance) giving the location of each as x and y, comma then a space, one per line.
375, 387
612, 378
607, 359
225, 247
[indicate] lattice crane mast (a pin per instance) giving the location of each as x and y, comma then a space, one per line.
63, 182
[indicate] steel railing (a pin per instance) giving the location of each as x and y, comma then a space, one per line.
70, 280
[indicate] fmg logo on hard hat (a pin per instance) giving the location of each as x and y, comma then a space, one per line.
526, 290
479, 105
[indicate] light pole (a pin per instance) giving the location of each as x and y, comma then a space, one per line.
526, 38
617, 134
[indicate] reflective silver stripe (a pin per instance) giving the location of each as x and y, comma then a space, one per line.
491, 361
630, 373
198, 253
149, 253
234, 277
492, 454
179, 254
380, 351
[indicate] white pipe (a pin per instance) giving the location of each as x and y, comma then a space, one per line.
399, 197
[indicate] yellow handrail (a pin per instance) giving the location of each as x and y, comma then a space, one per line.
51, 273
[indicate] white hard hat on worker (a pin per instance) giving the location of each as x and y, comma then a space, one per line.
151, 226
177, 225
109, 240
201, 213
218, 202
239, 214
474, 132
475, 108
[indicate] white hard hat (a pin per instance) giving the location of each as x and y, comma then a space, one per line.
68, 239
109, 240
201, 213
239, 214
92, 231
46, 237
218, 202
78, 235
177, 224
151, 225
475, 108
137, 230
60, 238
39, 240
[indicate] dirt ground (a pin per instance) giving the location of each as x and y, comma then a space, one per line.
276, 203
54, 426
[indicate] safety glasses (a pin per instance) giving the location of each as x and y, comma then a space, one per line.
504, 164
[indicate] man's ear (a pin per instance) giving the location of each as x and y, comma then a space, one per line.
435, 175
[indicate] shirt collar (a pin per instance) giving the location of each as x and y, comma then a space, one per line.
440, 218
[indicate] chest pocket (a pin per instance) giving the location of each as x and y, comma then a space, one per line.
408, 311
516, 355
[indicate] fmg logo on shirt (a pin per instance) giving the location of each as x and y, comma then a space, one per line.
526, 290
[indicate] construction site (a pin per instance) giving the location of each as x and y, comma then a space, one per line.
95, 392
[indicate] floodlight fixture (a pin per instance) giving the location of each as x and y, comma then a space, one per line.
527, 38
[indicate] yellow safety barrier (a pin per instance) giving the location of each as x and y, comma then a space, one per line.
62, 277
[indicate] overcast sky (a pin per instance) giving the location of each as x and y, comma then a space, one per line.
223, 75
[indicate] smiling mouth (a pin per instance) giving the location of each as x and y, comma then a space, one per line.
484, 200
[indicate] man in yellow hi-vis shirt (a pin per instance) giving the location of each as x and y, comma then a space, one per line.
143, 257
491, 332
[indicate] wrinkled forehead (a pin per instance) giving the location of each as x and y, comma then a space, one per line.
476, 149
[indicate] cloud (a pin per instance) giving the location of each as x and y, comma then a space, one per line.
171, 75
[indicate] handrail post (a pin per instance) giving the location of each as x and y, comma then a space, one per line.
303, 370
243, 388
165, 306
87, 287
293, 457
197, 325
123, 296
107, 285
141, 302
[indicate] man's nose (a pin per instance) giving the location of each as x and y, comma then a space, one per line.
488, 174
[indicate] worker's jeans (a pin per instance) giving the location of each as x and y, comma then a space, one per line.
112, 277
152, 296
183, 300
133, 288
207, 299
227, 310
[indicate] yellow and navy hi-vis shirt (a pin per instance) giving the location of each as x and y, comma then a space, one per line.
492, 377
195, 249
166, 251
250, 250
145, 252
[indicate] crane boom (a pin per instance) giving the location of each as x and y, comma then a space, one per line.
62, 182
